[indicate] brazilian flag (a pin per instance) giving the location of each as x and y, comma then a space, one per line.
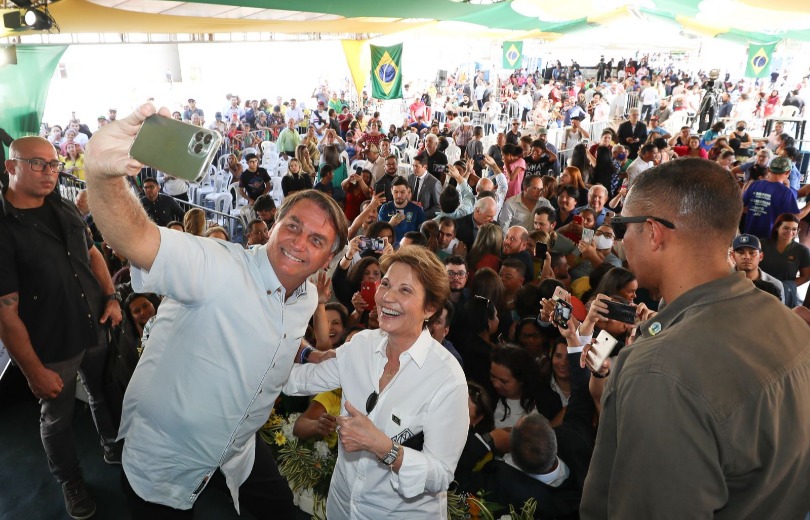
386, 72
512, 55
759, 60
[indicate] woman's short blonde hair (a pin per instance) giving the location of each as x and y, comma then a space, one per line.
427, 268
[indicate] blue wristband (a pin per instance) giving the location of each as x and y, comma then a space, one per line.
305, 355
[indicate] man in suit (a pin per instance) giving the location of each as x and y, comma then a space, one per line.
544, 463
633, 133
484, 212
425, 189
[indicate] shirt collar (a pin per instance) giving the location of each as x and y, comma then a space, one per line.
726, 288
553, 478
269, 278
418, 351
9, 210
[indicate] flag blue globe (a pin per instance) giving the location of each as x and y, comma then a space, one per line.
387, 73
759, 61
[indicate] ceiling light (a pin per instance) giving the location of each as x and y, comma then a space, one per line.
38, 20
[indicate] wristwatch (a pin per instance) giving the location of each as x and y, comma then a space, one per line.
114, 296
392, 455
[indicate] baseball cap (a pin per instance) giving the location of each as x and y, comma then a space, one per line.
779, 165
542, 131
741, 241
218, 115
191, 100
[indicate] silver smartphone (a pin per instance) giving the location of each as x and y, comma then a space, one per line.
175, 148
601, 348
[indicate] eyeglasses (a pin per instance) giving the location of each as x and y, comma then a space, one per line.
604, 234
456, 274
38, 165
371, 402
620, 223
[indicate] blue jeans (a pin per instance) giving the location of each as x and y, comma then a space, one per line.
56, 415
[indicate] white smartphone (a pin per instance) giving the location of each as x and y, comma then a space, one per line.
601, 348
587, 235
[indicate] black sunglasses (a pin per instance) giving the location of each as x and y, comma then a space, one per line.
619, 224
371, 402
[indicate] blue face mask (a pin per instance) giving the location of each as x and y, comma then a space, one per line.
621, 156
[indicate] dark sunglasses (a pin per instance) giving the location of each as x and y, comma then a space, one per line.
619, 224
371, 402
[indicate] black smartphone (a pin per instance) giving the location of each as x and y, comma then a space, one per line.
540, 250
562, 313
620, 312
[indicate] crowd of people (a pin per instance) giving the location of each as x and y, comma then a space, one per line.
458, 307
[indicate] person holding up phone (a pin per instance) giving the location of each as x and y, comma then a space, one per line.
702, 402
174, 446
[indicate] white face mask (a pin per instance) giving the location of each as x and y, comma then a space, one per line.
602, 242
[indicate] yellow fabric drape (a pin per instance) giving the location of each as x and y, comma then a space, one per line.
358, 58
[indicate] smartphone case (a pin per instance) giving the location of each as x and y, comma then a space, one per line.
176, 148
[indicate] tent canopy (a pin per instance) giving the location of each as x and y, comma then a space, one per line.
738, 20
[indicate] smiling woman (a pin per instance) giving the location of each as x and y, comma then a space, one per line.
412, 399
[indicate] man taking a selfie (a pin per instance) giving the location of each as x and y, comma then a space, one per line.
210, 376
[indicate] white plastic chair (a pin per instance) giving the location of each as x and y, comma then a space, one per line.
450, 141
268, 146
220, 185
789, 111
222, 204
412, 139
238, 200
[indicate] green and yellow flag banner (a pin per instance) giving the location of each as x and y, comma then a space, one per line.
759, 60
512, 55
386, 72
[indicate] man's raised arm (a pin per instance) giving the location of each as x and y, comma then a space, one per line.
118, 214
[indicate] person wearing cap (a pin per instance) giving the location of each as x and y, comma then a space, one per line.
766, 199
632, 133
193, 109
255, 181
218, 124
112, 114
746, 252
102, 120
463, 134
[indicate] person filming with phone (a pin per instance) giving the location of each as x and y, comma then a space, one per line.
210, 377
701, 414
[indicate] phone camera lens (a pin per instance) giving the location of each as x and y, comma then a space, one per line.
207, 139
198, 148
198, 136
